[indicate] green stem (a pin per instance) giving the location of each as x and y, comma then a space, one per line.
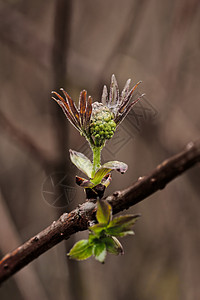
96, 159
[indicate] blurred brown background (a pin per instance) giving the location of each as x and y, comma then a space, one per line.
46, 45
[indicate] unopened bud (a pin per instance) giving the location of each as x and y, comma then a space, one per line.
102, 126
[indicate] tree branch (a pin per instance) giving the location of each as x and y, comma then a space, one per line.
80, 218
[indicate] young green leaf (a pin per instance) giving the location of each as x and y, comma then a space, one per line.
126, 221
106, 168
97, 229
99, 251
99, 175
117, 232
113, 246
93, 238
81, 250
116, 165
104, 212
121, 226
81, 162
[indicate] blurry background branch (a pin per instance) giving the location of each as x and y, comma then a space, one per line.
25, 142
79, 219
59, 59
18, 31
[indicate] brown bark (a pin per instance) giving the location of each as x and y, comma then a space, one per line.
80, 218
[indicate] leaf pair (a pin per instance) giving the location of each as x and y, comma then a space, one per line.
102, 237
101, 176
99, 248
119, 226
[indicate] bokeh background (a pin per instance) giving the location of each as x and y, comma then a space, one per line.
45, 45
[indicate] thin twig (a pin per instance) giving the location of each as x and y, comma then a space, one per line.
79, 218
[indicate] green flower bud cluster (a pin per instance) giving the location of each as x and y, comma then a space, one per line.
102, 125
